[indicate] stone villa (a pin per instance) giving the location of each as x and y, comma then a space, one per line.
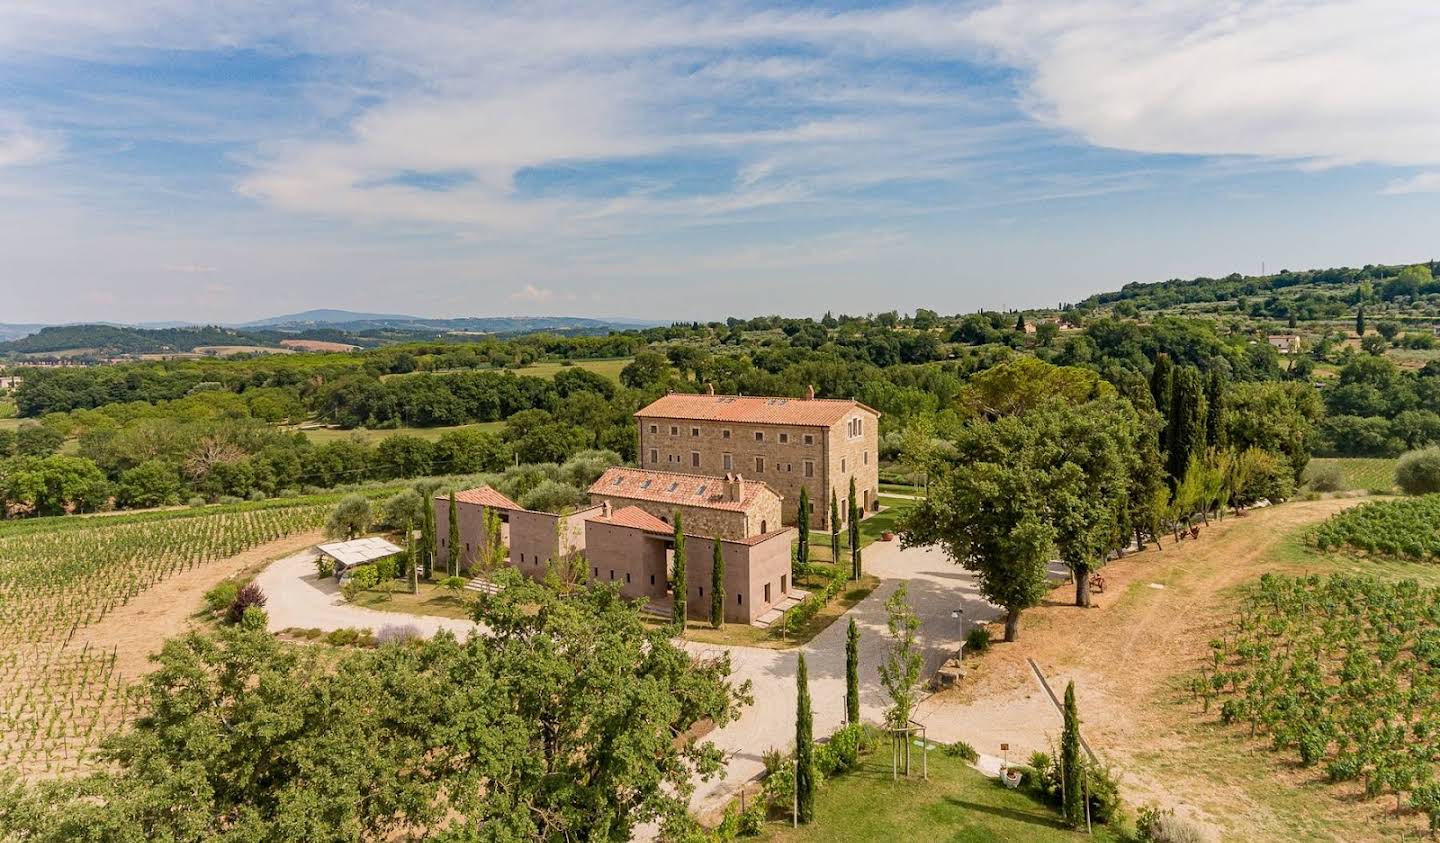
730, 507
787, 443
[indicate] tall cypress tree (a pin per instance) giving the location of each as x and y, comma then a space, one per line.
804, 747
428, 540
1162, 378
681, 586
854, 533
412, 562
1360, 321
1185, 434
834, 528
1071, 766
802, 518
717, 586
852, 673
1215, 409
453, 557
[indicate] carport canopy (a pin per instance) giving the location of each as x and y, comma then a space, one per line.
358, 551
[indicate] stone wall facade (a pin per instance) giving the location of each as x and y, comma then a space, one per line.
533, 538
786, 458
764, 515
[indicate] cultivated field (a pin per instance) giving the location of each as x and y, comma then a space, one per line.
79, 613
549, 369
1360, 473
324, 435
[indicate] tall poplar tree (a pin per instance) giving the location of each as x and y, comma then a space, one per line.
453, 557
717, 586
1071, 765
802, 520
680, 587
804, 746
852, 673
1185, 434
854, 533
834, 528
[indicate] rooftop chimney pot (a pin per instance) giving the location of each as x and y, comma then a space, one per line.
810, 393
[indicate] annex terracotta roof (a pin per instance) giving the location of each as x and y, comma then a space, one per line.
634, 516
751, 409
761, 538
672, 487
483, 496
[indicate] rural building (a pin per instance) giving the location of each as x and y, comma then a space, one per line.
817, 444
632, 548
730, 507
1285, 343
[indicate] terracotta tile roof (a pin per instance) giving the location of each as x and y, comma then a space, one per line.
634, 516
761, 538
482, 496
751, 409
675, 488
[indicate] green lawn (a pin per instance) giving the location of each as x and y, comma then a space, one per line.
870, 528
431, 600
957, 804
1362, 473
325, 435
753, 636
551, 368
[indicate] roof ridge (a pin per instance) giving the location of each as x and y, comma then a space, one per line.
692, 475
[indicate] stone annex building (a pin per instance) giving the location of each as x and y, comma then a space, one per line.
732, 466
787, 443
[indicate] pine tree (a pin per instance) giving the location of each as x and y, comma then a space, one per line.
1185, 434
1071, 766
852, 673
834, 528
717, 586
412, 563
1360, 321
804, 747
428, 540
680, 585
802, 520
453, 556
854, 533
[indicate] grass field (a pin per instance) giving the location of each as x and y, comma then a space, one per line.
325, 435
870, 528
1362, 473
957, 804
431, 600
550, 368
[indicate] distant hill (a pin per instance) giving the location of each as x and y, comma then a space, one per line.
114, 339
326, 316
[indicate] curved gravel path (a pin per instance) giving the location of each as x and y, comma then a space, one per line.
297, 597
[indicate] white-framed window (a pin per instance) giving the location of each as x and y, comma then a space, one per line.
654, 428
809, 468
809, 439
759, 436
694, 431
654, 456
759, 465
725, 434
727, 459
674, 430
784, 438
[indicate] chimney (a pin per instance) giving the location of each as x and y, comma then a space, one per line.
605, 509
810, 393
733, 485
709, 388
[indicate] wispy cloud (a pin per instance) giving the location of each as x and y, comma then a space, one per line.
1427, 182
21, 144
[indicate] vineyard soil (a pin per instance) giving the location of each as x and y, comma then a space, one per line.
1129, 658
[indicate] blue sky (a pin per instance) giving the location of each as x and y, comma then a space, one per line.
224, 160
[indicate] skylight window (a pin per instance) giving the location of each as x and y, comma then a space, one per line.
700, 492
673, 487
645, 485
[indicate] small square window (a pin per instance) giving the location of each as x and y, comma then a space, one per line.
725, 434
674, 430
759, 436
654, 428
784, 438
694, 431
809, 439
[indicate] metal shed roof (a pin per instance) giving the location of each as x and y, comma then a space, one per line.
359, 551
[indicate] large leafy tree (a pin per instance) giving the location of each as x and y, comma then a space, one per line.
568, 723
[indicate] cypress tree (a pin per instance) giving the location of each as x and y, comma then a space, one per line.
428, 540
1161, 379
852, 673
854, 533
680, 587
804, 747
453, 557
1185, 434
802, 518
1071, 766
1360, 321
834, 528
1215, 410
1020, 323
717, 586
412, 563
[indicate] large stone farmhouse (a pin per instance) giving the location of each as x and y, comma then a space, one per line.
625, 542
787, 443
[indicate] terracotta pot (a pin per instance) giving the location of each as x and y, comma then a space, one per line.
887, 536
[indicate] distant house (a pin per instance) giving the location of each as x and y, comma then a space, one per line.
1285, 343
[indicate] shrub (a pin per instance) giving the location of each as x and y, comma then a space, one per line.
219, 598
254, 618
350, 637
977, 640
250, 595
1327, 478
362, 578
962, 750
1043, 778
840, 752
1162, 826
324, 566
1418, 472
387, 568
401, 634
